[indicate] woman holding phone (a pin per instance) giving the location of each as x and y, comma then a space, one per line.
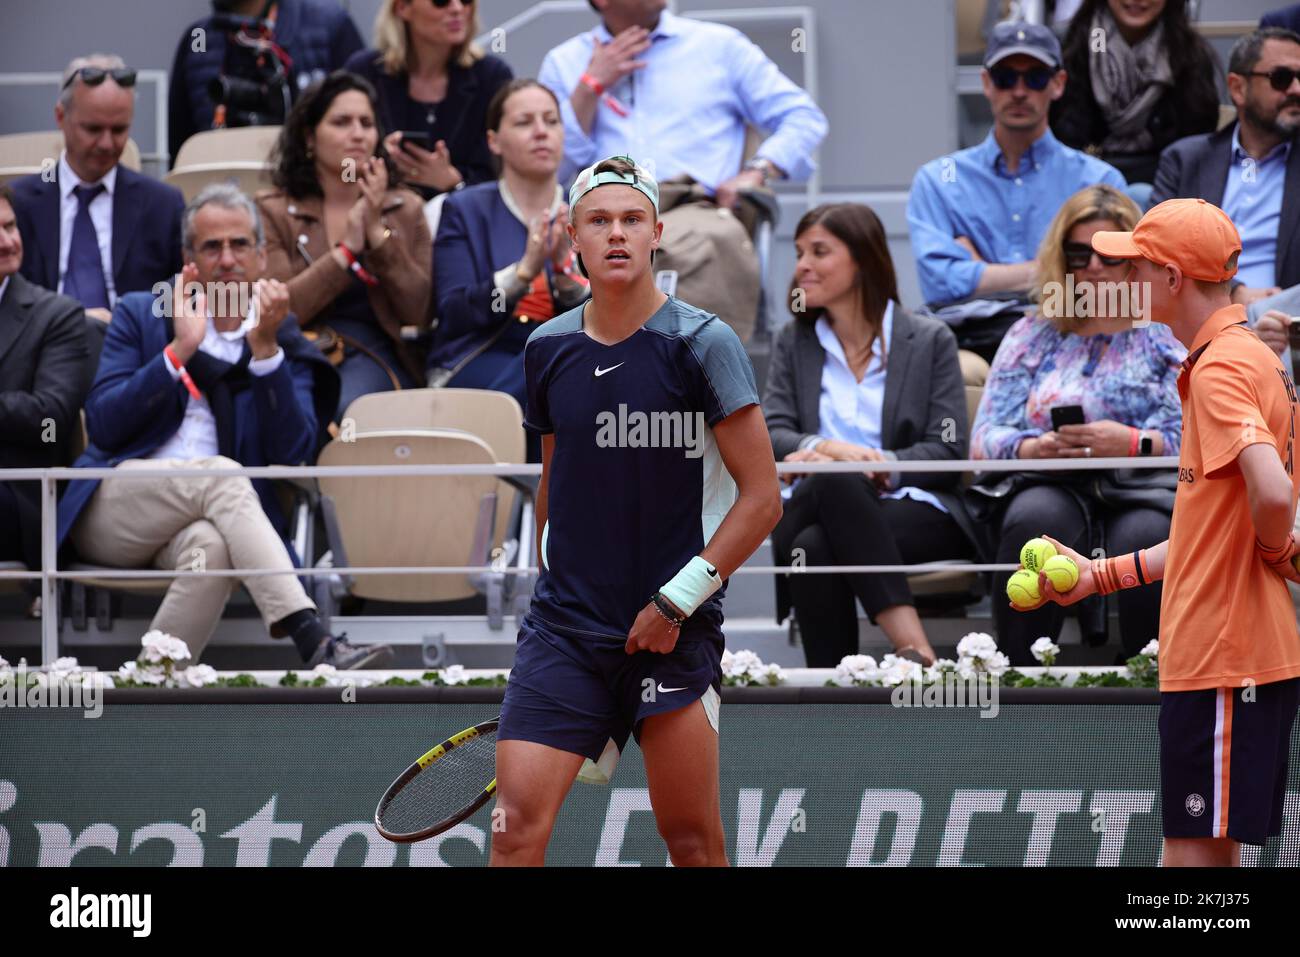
1082, 377
434, 87
353, 247
502, 258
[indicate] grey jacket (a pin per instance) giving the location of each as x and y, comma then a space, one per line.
924, 410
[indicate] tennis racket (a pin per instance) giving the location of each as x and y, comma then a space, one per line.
442, 788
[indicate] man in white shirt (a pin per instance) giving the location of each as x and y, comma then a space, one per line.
226, 379
93, 229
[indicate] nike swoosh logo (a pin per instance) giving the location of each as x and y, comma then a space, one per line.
663, 690
600, 372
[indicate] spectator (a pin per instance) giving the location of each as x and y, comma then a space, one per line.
857, 379
1249, 170
1287, 17
1138, 77
502, 255
42, 385
229, 380
432, 78
1082, 348
977, 215
315, 36
678, 94
98, 230
354, 249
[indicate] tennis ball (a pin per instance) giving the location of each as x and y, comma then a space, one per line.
1035, 553
1022, 588
1061, 572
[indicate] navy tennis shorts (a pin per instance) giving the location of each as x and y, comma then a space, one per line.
1223, 760
579, 693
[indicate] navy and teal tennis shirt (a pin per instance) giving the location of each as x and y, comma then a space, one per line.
636, 484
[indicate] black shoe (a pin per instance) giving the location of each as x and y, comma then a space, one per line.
345, 656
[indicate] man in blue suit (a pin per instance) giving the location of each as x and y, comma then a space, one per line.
93, 229
214, 374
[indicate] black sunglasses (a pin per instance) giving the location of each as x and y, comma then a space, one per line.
1280, 78
94, 75
440, 4
1078, 255
1036, 78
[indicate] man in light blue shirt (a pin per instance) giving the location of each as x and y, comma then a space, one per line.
977, 216
1252, 198
678, 94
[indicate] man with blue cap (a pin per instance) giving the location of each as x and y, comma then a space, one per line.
657, 483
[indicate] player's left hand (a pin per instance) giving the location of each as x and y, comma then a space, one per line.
651, 632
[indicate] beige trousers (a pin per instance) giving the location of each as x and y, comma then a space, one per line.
190, 524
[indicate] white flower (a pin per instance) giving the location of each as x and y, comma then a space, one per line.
323, 670
940, 668
3, 664
454, 675
130, 671
64, 667
856, 670
92, 679
997, 664
977, 645
1151, 649
739, 664
1045, 650
197, 676
769, 675
895, 670
160, 647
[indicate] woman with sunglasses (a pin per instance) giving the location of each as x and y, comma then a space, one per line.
436, 83
1139, 76
353, 247
1087, 354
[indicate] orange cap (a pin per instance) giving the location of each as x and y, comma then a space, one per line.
1194, 235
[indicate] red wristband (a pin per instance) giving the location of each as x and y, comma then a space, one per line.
355, 265
1134, 439
1123, 571
179, 366
591, 83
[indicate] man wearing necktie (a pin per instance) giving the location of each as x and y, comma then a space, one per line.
93, 229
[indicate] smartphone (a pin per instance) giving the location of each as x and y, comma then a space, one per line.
1066, 415
421, 138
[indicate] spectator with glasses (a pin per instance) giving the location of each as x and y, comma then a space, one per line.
1138, 77
502, 258
1089, 346
1251, 170
433, 80
353, 247
977, 216
97, 230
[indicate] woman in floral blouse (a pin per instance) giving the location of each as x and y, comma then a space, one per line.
1085, 346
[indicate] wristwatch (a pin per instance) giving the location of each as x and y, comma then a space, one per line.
1146, 444
763, 166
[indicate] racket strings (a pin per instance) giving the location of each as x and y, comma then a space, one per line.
443, 789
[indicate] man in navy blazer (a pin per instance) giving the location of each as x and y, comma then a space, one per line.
93, 229
217, 380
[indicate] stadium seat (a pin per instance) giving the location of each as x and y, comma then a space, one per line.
962, 585
245, 144
22, 154
400, 521
249, 175
495, 417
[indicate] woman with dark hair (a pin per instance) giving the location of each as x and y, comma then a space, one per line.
1084, 350
353, 248
435, 81
1139, 77
502, 257
856, 379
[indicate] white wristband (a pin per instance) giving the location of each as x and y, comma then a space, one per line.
691, 586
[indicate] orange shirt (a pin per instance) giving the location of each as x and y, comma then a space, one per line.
1225, 615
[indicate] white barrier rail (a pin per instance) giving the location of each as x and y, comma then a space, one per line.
49, 574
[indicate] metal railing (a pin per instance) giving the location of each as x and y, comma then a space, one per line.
50, 574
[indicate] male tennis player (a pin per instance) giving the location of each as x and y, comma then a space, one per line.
650, 425
1229, 649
